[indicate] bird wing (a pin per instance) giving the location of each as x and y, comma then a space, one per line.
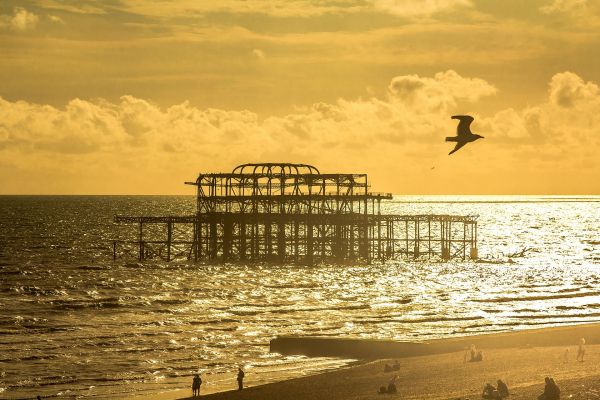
464, 126
457, 147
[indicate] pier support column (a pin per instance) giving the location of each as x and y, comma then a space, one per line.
281, 241
309, 243
227, 235
169, 238
213, 240
242, 245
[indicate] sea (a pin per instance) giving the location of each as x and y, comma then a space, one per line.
76, 324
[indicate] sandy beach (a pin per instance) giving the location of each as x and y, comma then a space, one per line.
521, 359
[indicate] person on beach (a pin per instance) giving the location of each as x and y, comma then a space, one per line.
502, 389
196, 385
240, 378
551, 390
490, 392
581, 350
391, 388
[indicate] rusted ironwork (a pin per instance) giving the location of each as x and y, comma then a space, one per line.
292, 213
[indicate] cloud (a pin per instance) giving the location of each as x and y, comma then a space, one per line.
134, 140
439, 93
56, 19
21, 20
76, 7
411, 8
567, 89
258, 53
295, 8
564, 6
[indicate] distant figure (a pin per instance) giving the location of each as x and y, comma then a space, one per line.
240, 378
387, 368
476, 355
470, 353
581, 350
196, 385
566, 356
463, 132
502, 389
490, 392
391, 388
551, 390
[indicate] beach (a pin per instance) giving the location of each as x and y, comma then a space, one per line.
521, 359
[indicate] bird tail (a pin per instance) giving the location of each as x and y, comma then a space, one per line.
452, 139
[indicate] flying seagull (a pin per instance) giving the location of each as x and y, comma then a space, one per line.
463, 132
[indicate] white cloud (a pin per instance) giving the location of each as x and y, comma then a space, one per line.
21, 20
439, 93
134, 139
567, 89
56, 19
411, 8
564, 6
258, 53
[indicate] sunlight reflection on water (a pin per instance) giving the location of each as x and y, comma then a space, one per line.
71, 319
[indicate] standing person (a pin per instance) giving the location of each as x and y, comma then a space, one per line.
581, 350
196, 385
240, 378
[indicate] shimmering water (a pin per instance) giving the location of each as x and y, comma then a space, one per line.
75, 324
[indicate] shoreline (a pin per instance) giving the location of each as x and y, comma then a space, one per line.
435, 369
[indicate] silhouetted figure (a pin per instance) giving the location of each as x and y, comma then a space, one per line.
463, 132
196, 385
581, 350
490, 392
551, 390
391, 388
387, 368
240, 378
502, 389
470, 353
39, 398
476, 355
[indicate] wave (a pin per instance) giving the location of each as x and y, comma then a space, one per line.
417, 320
536, 297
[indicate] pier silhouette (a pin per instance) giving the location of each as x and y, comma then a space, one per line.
293, 213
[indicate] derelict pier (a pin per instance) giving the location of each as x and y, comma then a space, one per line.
292, 213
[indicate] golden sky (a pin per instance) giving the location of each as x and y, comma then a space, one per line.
135, 97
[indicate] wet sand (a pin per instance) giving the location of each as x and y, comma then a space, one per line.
521, 359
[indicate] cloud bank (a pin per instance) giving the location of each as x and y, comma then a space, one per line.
133, 145
20, 21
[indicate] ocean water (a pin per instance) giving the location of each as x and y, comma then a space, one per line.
73, 324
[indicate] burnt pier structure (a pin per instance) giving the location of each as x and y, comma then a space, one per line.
292, 213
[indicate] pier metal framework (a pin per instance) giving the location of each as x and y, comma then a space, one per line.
292, 213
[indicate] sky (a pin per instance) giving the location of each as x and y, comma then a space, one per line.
136, 97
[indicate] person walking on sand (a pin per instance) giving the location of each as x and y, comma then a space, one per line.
196, 385
581, 350
240, 378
